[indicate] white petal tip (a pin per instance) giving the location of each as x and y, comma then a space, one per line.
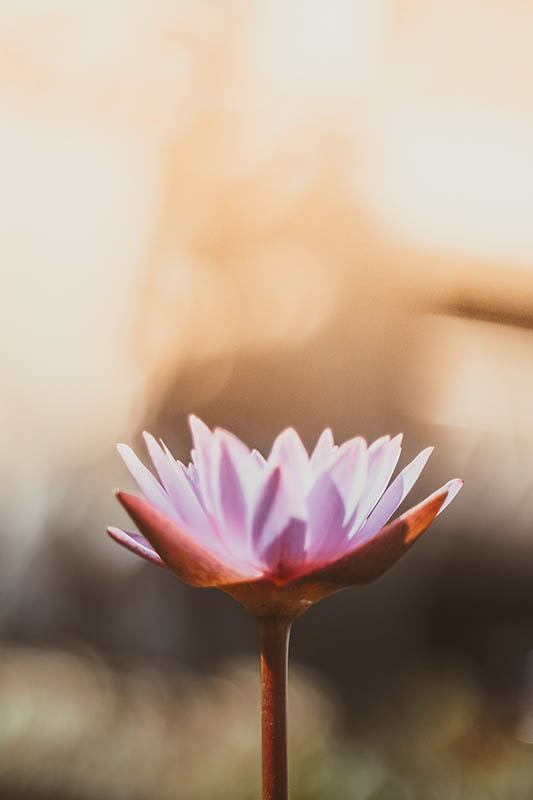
118, 535
424, 455
199, 430
151, 441
453, 488
194, 420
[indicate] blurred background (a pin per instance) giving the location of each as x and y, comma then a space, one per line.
267, 213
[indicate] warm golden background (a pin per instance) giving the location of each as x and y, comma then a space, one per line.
267, 213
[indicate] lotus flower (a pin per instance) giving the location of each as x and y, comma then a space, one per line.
276, 533
280, 532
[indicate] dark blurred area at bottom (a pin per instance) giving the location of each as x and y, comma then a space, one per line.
415, 686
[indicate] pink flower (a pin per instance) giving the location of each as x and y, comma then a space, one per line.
281, 532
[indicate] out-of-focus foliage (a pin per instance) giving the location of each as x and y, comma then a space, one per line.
76, 728
79, 728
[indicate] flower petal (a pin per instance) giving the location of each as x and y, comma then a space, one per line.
323, 450
259, 458
453, 488
231, 494
137, 544
383, 455
286, 554
181, 552
274, 508
326, 517
348, 471
166, 468
150, 487
190, 473
289, 453
172, 473
236, 478
393, 497
203, 440
373, 557
188, 510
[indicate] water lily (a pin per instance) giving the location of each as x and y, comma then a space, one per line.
277, 533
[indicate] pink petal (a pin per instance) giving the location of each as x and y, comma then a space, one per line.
228, 491
272, 513
181, 552
203, 440
259, 458
245, 462
289, 453
150, 487
166, 468
348, 471
394, 496
383, 456
187, 507
371, 558
137, 544
190, 472
191, 476
377, 443
323, 450
326, 517
285, 555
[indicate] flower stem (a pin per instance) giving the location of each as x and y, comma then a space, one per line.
274, 637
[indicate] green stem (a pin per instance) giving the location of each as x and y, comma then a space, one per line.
274, 638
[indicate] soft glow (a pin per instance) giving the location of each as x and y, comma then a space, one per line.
457, 178
318, 48
473, 375
71, 234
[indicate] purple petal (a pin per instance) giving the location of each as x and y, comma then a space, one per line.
228, 491
203, 440
236, 476
190, 473
245, 462
383, 456
286, 553
259, 459
188, 509
166, 467
323, 450
326, 517
394, 496
369, 559
289, 453
348, 471
272, 512
183, 553
150, 487
137, 544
